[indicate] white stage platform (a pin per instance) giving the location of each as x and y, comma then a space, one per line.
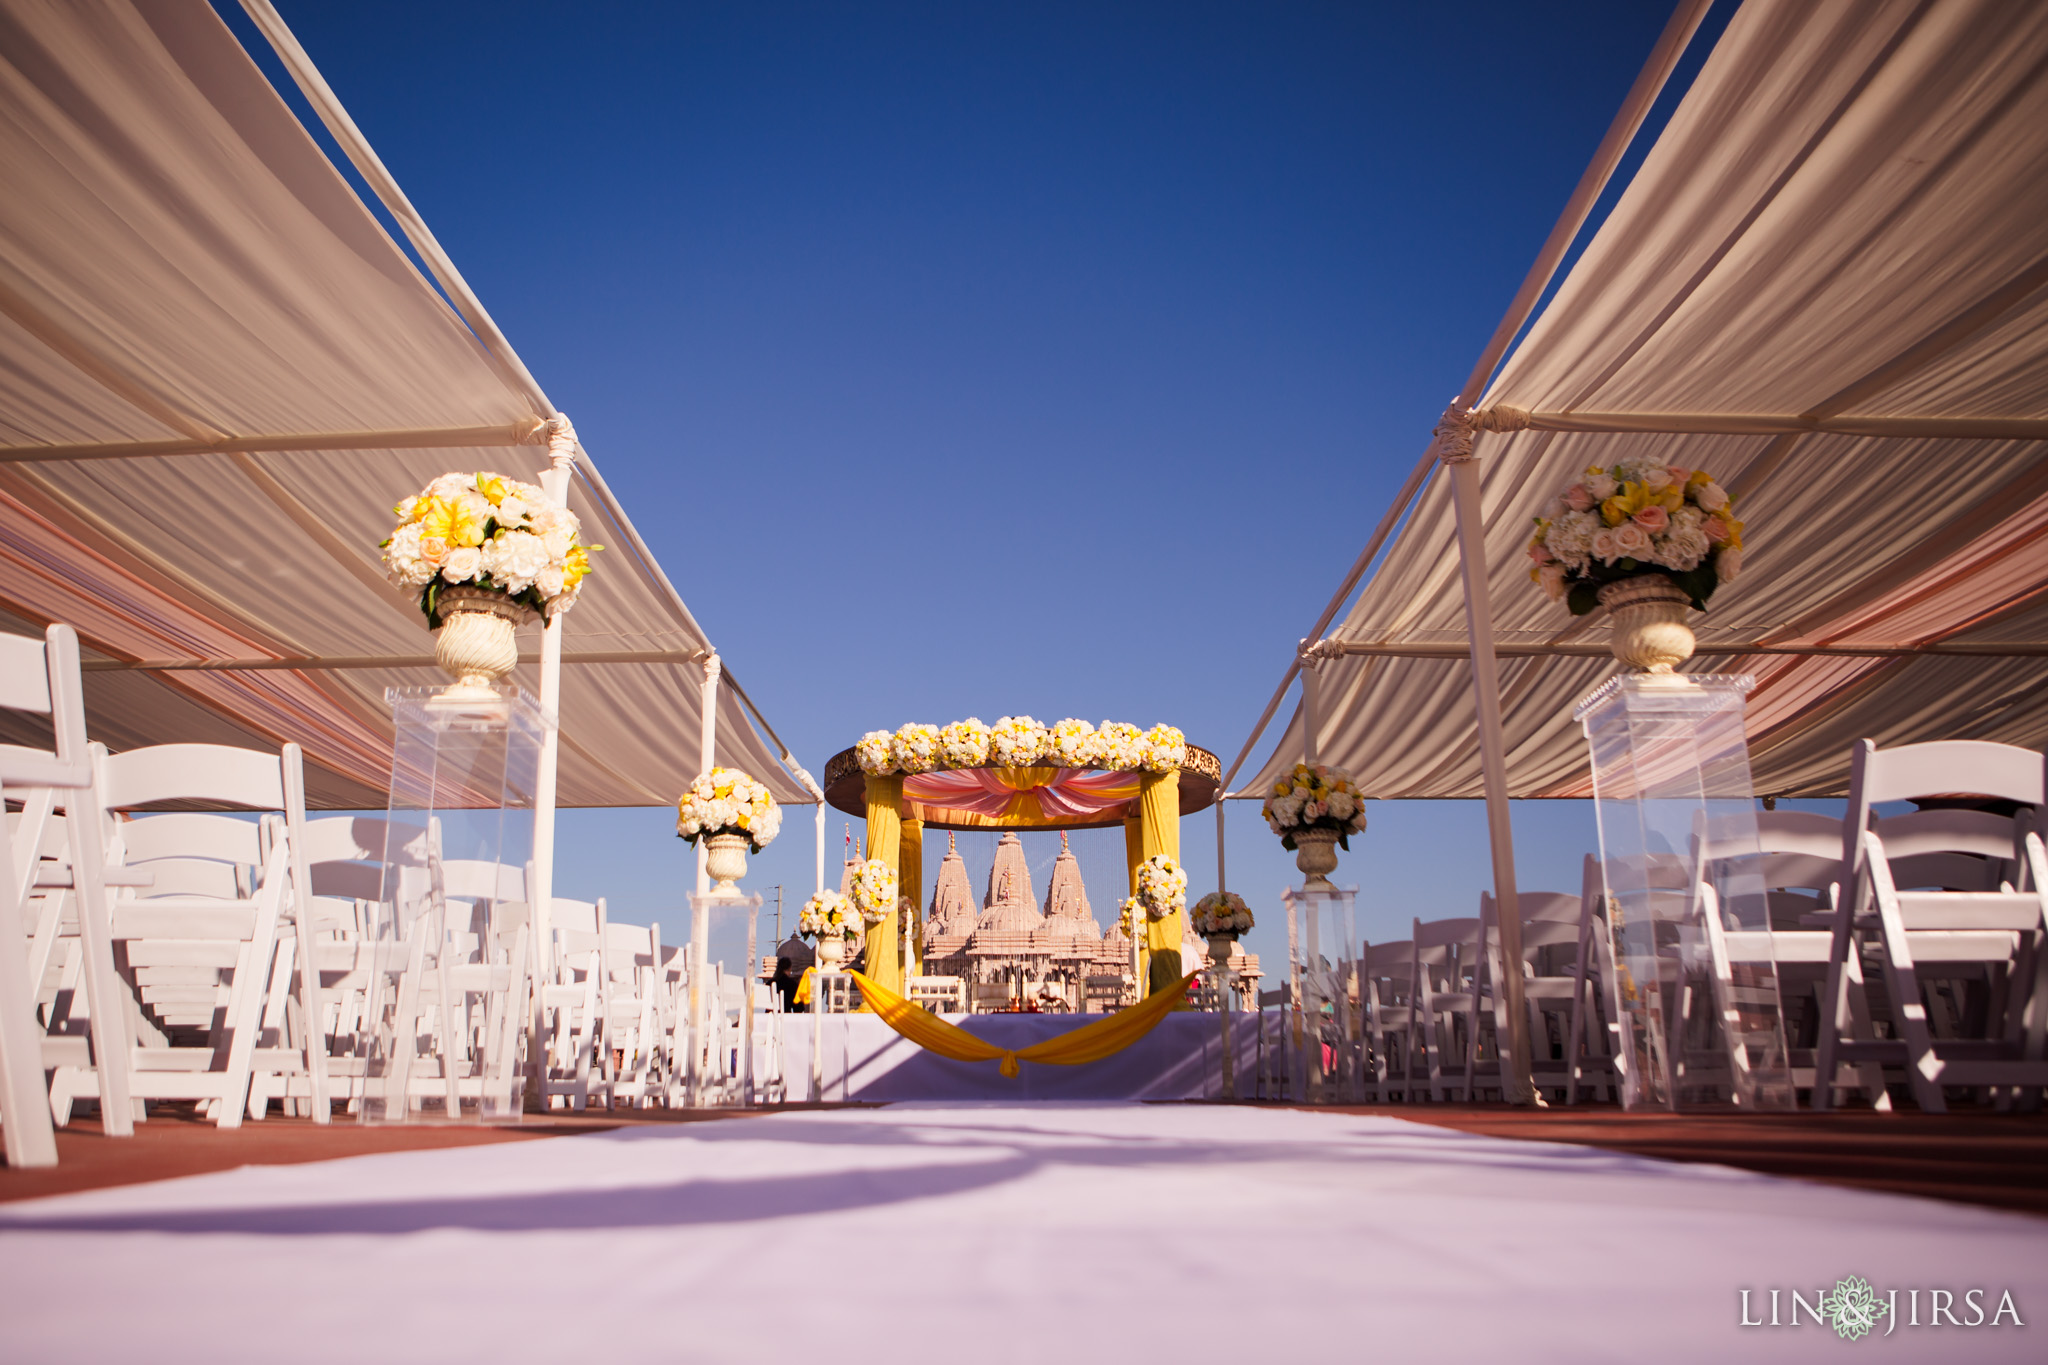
1180, 1059
1028, 1233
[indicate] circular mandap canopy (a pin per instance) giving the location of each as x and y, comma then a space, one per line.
1038, 797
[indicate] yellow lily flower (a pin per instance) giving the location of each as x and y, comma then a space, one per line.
492, 486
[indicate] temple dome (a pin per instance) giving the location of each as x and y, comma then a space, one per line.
952, 912
1066, 898
1010, 906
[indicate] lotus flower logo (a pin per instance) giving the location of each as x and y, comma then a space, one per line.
1853, 1309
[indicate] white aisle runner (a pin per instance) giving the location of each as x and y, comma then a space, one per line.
1130, 1233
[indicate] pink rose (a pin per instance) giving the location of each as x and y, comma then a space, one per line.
1540, 553
1630, 540
1680, 476
1716, 529
1551, 577
1603, 545
1579, 498
1653, 518
433, 549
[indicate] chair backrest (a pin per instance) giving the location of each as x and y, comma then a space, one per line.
472, 879
212, 773
1948, 831
1952, 767
1799, 831
41, 677
580, 916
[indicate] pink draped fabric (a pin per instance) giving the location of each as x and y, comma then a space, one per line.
1025, 795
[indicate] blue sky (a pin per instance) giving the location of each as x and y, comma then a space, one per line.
977, 359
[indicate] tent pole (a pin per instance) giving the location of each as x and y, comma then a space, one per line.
555, 483
1516, 1085
1311, 707
707, 751
821, 846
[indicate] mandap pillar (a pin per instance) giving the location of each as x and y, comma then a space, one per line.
885, 841
1159, 832
910, 874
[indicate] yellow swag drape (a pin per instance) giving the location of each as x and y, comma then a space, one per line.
885, 841
1088, 1043
1159, 832
910, 871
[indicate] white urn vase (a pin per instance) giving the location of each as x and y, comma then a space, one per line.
831, 952
1220, 948
725, 858
1315, 853
477, 643
1648, 612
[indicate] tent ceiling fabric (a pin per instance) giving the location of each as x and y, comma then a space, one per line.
179, 260
1846, 218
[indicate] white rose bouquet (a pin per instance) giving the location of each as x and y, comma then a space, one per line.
1162, 886
487, 531
1165, 749
1074, 744
1314, 797
873, 890
875, 752
828, 915
1640, 516
1120, 746
964, 744
727, 801
1018, 742
1221, 912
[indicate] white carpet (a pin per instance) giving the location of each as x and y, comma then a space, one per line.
1129, 1233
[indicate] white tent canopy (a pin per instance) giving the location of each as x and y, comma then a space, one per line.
1828, 285
218, 373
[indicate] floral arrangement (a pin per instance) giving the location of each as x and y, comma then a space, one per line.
1639, 516
1162, 885
873, 890
727, 801
1314, 797
1119, 746
1221, 912
828, 915
1166, 748
964, 744
1074, 744
874, 753
487, 531
1127, 917
915, 748
1018, 742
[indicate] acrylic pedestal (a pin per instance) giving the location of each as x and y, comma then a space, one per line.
1321, 1021
1678, 842
445, 951
721, 989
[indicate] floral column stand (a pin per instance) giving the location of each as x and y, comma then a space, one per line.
1220, 917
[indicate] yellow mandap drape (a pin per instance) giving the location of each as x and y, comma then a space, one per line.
910, 869
885, 841
1159, 832
1088, 1043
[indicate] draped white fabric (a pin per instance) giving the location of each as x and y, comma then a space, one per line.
179, 262
1843, 229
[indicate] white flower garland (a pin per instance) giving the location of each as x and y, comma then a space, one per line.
487, 531
1018, 742
1221, 912
964, 744
1162, 885
873, 890
727, 801
828, 915
1127, 917
1021, 742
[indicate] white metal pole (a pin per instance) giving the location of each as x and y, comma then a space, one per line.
555, 483
1515, 1079
821, 846
707, 749
1311, 707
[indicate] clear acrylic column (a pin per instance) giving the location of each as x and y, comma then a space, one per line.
1678, 843
1321, 1016
721, 994
446, 949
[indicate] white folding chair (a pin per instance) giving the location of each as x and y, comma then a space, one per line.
1998, 932
42, 678
1446, 1003
198, 947
1596, 998
576, 1001
1550, 932
633, 1040
1386, 983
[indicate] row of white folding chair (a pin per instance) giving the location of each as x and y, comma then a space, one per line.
610, 1023
1999, 932
1386, 991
